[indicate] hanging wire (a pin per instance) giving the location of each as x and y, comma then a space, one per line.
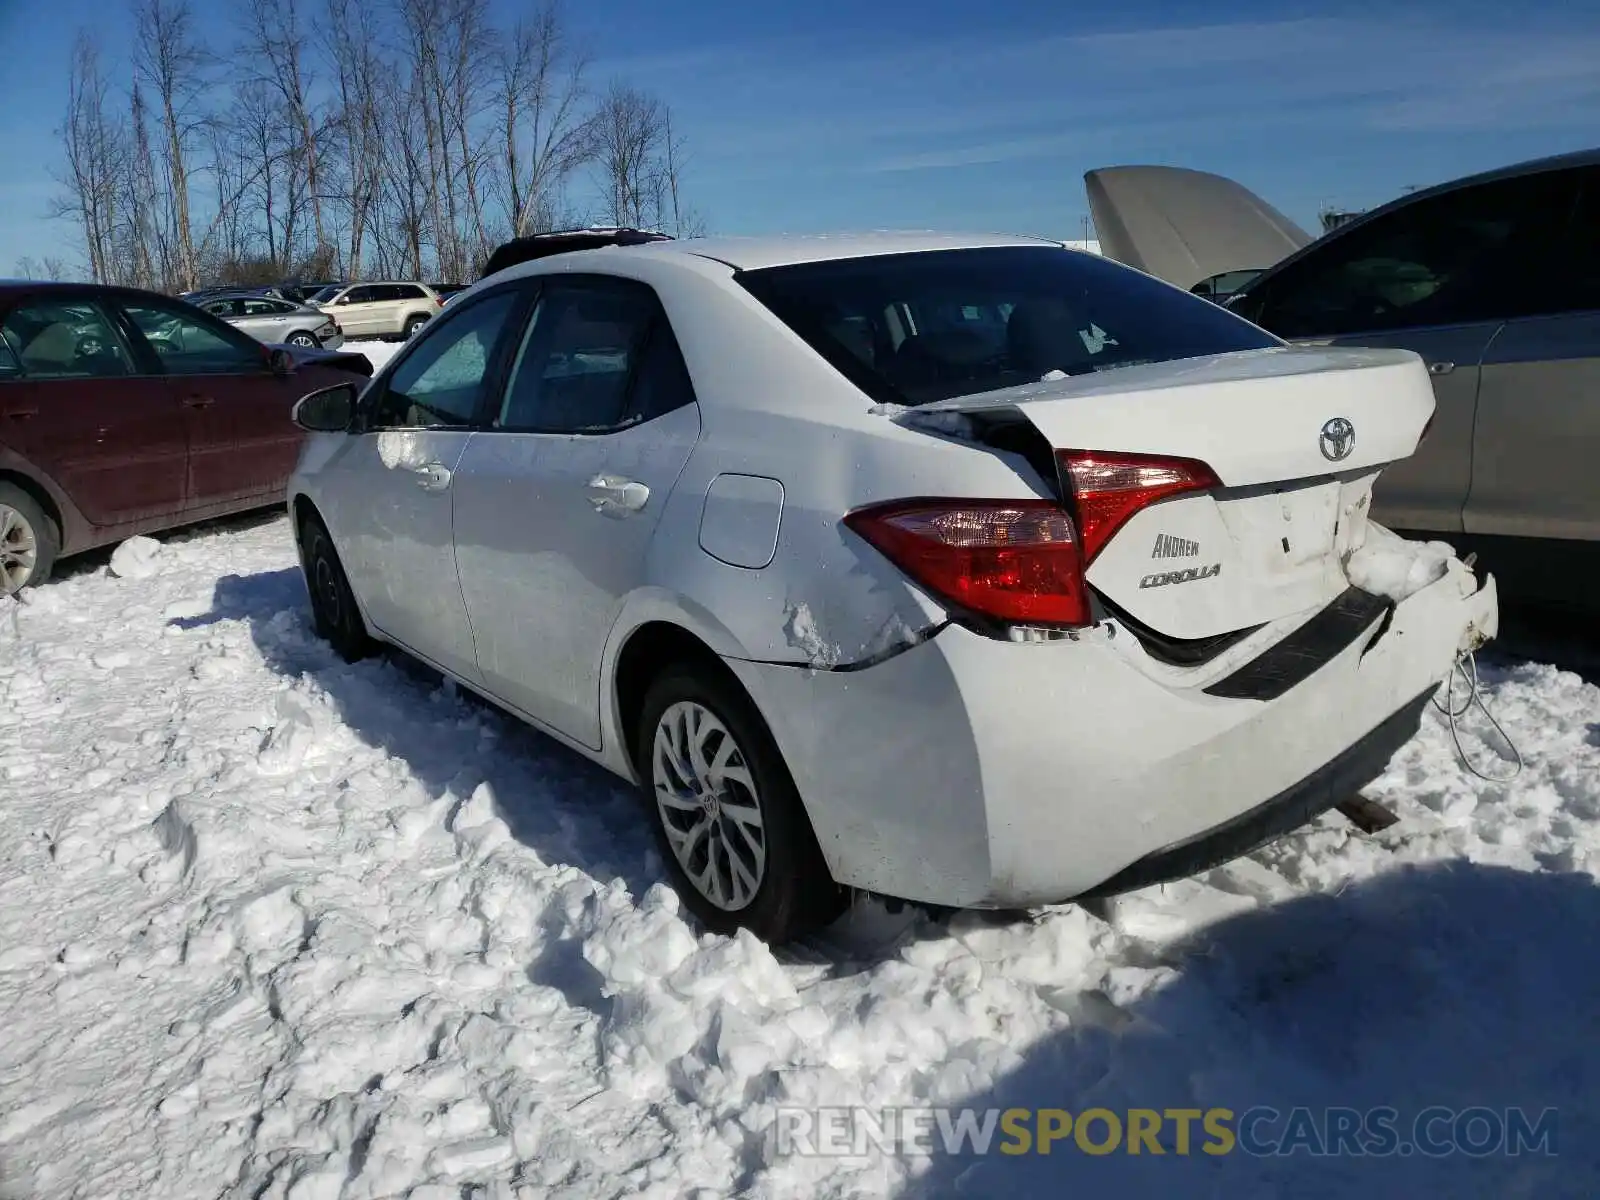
1466, 666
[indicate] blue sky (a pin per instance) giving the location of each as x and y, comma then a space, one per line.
830, 114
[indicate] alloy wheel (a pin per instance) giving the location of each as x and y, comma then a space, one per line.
19, 549
709, 807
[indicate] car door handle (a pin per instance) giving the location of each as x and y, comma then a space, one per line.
21, 414
433, 477
1441, 368
198, 401
612, 494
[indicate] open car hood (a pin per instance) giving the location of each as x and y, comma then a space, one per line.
1184, 226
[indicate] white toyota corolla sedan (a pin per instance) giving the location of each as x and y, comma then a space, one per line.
968, 571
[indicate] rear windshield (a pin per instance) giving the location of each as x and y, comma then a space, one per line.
915, 328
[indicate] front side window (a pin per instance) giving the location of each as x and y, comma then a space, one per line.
1473, 254
67, 339
573, 371
916, 328
264, 308
186, 345
441, 382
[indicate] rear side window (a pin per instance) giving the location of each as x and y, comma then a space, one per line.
67, 339
407, 291
1480, 253
916, 328
598, 355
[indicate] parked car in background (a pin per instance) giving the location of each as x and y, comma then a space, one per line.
277, 321
1494, 280
125, 412
977, 572
447, 291
301, 291
1223, 287
379, 310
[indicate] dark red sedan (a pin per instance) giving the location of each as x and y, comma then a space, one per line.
126, 412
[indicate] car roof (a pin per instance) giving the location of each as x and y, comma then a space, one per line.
756, 253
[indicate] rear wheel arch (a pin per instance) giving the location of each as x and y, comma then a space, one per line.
42, 497
649, 650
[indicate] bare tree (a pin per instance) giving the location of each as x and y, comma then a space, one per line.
402, 146
352, 41
276, 44
94, 158
631, 137
545, 132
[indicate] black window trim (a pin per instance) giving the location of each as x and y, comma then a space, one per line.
630, 418
494, 375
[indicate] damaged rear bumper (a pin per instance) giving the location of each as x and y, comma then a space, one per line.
972, 772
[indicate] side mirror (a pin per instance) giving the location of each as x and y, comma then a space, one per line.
327, 410
280, 362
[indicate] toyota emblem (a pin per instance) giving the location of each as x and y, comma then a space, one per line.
1337, 439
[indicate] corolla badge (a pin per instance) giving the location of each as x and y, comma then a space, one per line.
1337, 439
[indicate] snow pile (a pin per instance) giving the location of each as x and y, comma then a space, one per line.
136, 558
276, 926
1396, 567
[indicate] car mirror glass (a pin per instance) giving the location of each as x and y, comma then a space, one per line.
328, 410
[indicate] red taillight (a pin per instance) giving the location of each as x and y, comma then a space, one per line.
1010, 560
1107, 489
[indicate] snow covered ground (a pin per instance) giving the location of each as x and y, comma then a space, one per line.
274, 926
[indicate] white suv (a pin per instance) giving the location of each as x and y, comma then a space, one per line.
379, 310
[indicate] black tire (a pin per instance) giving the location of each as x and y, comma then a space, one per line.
305, 339
414, 324
794, 892
29, 540
333, 604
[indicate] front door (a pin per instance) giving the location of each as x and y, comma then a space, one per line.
392, 501
74, 403
242, 445
558, 499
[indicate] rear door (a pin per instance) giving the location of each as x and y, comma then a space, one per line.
263, 318
558, 499
1537, 438
242, 444
76, 402
1438, 276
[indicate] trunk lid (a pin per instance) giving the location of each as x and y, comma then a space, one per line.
1185, 226
1296, 437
